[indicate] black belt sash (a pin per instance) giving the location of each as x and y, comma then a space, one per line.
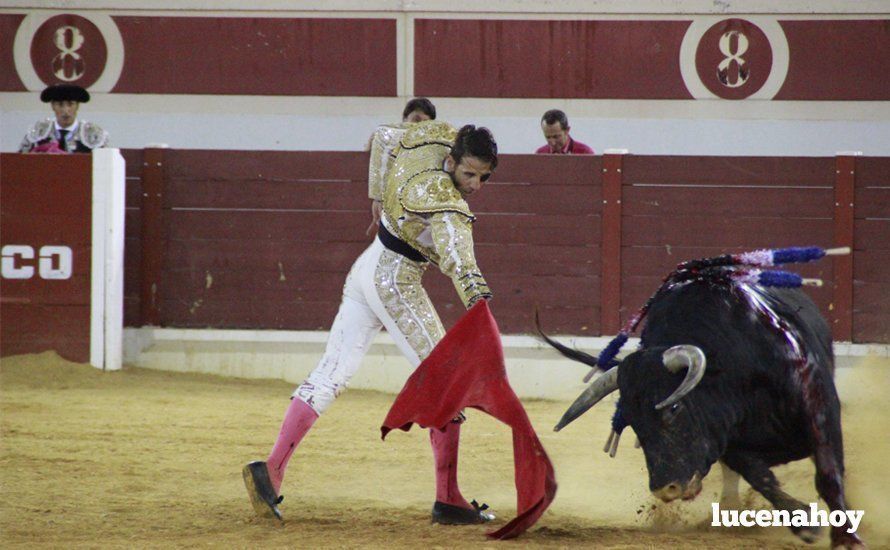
398, 246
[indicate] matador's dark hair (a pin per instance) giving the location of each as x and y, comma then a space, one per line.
475, 142
420, 104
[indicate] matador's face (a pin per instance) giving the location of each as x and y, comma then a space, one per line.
416, 115
469, 174
66, 112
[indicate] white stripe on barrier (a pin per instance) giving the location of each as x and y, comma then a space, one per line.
97, 265
107, 277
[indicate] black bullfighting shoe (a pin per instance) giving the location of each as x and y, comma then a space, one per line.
448, 514
259, 489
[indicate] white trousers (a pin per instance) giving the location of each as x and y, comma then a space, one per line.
383, 289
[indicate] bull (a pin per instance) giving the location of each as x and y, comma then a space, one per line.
732, 372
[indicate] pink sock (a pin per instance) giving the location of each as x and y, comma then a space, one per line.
297, 421
445, 445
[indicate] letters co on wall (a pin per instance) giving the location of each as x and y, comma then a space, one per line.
680, 57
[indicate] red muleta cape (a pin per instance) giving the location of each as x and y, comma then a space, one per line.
466, 369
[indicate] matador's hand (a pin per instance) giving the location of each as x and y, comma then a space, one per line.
376, 212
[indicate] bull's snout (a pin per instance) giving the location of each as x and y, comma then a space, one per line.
677, 489
671, 491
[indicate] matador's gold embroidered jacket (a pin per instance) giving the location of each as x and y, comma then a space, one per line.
421, 205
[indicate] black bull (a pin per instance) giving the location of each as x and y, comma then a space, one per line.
748, 381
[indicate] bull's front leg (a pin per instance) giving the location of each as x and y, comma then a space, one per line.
729, 497
758, 474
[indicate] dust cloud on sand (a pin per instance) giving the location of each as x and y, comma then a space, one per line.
142, 458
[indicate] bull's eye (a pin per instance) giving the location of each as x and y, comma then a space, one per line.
670, 414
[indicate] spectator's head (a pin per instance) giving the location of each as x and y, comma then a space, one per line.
419, 109
65, 100
473, 158
556, 129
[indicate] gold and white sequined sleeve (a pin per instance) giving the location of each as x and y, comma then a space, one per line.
383, 144
452, 234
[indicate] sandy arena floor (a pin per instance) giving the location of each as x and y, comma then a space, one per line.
144, 458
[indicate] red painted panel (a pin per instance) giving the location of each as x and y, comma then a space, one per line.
559, 59
318, 315
730, 171
872, 171
31, 328
540, 170
540, 230
43, 228
658, 261
872, 266
45, 200
520, 198
871, 298
728, 201
133, 159
872, 202
9, 78
133, 163
294, 194
610, 244
285, 166
837, 60
583, 321
323, 227
722, 231
294, 256
532, 259
335, 259
872, 234
872, 327
263, 56
350, 226
252, 314
844, 191
515, 312
131, 311
70, 292
233, 285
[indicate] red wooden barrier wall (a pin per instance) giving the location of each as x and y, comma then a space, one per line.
133, 237
871, 268
43, 203
677, 208
264, 239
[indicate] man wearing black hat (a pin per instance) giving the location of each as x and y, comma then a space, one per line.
65, 133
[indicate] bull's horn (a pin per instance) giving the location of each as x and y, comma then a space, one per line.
680, 357
599, 388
